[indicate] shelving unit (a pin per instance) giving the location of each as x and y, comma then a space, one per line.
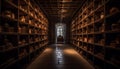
95, 33
23, 33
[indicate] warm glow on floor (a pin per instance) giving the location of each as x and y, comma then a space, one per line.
48, 50
69, 51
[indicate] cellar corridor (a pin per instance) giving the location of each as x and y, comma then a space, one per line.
59, 56
59, 34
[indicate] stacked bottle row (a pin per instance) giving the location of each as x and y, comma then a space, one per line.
95, 33
23, 33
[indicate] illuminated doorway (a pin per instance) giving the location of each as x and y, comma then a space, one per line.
60, 33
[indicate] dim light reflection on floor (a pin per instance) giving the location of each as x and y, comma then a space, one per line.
59, 55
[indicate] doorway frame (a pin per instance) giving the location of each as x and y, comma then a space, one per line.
64, 31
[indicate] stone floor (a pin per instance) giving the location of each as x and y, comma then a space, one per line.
59, 56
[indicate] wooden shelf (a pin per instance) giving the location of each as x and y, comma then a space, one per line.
8, 63
7, 50
110, 16
24, 26
114, 48
8, 33
109, 62
99, 24
8, 18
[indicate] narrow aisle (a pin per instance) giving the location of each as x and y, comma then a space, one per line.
59, 56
